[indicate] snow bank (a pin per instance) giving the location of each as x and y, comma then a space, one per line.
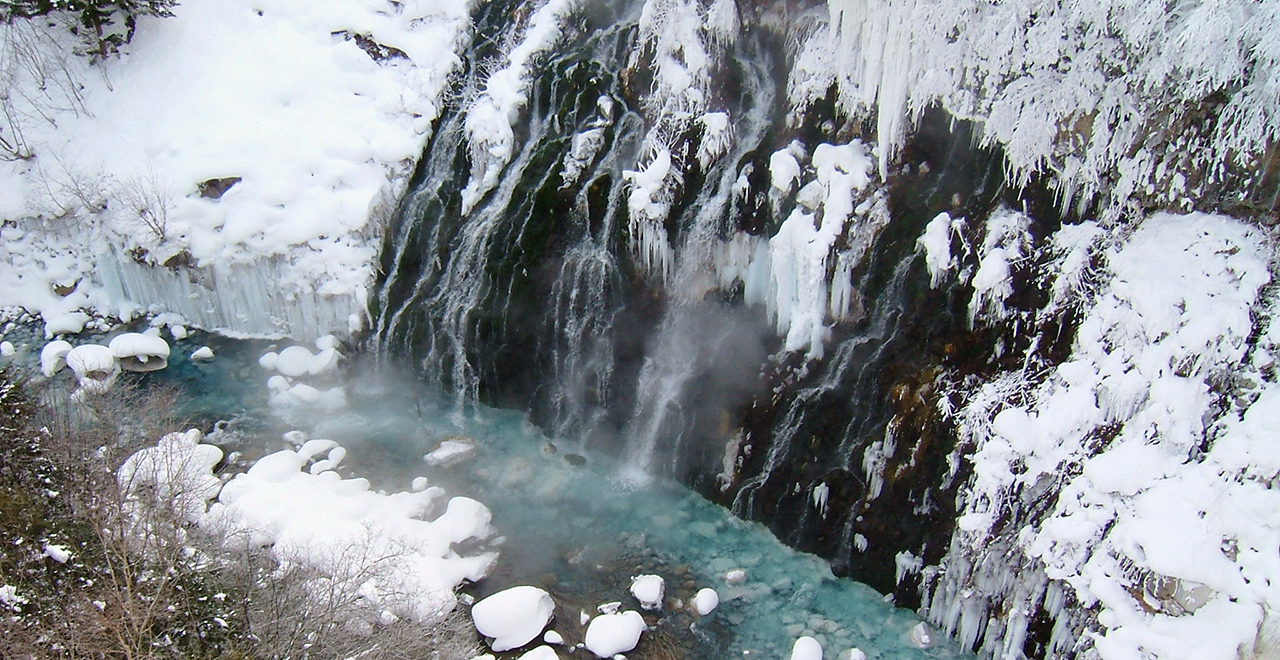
235, 132
611, 634
513, 617
374, 542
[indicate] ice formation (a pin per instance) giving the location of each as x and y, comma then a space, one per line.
492, 115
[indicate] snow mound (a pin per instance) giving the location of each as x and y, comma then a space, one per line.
541, 653
648, 589
611, 634
451, 451
297, 361
53, 357
95, 368
806, 648
179, 469
140, 352
706, 601
513, 617
369, 542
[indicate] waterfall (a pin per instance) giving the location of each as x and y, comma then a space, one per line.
679, 244
678, 296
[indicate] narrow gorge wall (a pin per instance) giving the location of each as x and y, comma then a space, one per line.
686, 235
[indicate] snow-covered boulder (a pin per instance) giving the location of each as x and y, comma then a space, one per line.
611, 634
451, 451
53, 357
806, 648
648, 589
95, 367
706, 601
541, 653
513, 617
179, 469
297, 361
921, 638
374, 546
139, 352
202, 353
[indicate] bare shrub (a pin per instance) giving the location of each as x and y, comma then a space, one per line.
142, 580
147, 201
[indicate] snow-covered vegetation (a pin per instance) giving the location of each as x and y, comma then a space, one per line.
1126, 492
116, 545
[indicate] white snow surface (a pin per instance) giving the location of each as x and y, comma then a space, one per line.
273, 92
513, 617
611, 634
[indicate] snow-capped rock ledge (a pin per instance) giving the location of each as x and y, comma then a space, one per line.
249, 146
